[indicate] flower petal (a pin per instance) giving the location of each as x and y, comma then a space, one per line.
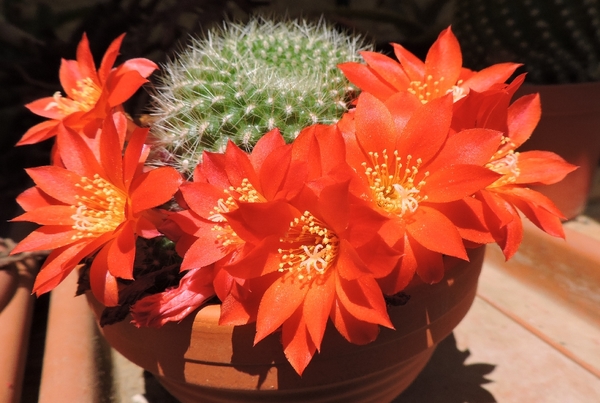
109, 58
85, 61
317, 306
144, 192
354, 330
523, 117
457, 181
414, 68
435, 231
278, 303
404, 271
55, 269
297, 343
133, 158
122, 86
444, 60
46, 107
375, 129
56, 182
176, 303
538, 208
471, 146
49, 215
121, 252
366, 79
69, 74
364, 300
543, 167
264, 147
430, 264
388, 69
40, 132
485, 78
76, 155
103, 284
426, 130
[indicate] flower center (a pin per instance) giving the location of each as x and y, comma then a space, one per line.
246, 193
393, 184
312, 248
84, 98
430, 89
100, 207
508, 166
506, 163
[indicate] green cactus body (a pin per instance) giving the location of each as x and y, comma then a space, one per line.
558, 41
244, 80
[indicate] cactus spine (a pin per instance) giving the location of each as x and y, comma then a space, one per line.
239, 82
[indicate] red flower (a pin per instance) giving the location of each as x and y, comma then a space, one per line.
90, 94
322, 265
174, 304
440, 74
94, 204
202, 233
503, 199
412, 170
220, 182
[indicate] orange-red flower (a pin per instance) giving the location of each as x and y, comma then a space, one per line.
440, 74
321, 264
503, 199
203, 236
95, 204
90, 94
174, 304
411, 169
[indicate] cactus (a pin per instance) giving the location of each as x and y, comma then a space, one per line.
558, 41
239, 82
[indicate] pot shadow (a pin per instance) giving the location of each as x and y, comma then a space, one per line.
447, 379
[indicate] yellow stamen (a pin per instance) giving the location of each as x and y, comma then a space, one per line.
312, 248
508, 166
393, 185
427, 90
100, 207
84, 98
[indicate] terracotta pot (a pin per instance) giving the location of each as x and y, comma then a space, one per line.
570, 127
199, 361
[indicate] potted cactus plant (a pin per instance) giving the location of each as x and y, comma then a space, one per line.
273, 234
558, 43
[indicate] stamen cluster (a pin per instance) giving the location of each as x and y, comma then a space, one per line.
312, 248
394, 188
100, 207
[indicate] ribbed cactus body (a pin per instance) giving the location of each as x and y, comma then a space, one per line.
558, 41
244, 80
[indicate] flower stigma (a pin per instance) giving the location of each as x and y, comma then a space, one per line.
393, 186
100, 207
313, 248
